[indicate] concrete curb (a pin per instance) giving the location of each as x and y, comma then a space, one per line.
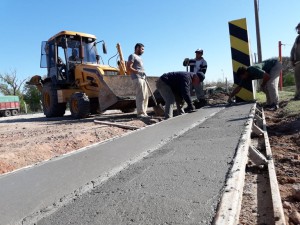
275, 193
229, 207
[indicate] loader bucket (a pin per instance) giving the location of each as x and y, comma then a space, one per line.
122, 87
36, 80
106, 97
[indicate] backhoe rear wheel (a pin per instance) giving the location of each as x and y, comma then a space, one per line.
51, 107
79, 105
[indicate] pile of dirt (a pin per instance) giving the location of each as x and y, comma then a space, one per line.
284, 136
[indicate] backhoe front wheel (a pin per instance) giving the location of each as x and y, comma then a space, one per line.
79, 105
51, 107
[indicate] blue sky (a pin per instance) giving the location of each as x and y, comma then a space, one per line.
170, 30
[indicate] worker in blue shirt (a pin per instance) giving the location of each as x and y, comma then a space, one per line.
175, 86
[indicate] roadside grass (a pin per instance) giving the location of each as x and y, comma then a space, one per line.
291, 108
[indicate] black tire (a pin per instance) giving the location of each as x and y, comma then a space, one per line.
79, 105
129, 110
7, 113
14, 112
51, 107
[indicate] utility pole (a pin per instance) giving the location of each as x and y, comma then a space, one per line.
280, 59
257, 31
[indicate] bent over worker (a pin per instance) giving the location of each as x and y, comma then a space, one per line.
268, 71
175, 86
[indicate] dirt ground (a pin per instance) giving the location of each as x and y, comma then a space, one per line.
26, 140
284, 136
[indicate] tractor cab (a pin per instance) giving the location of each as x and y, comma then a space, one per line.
62, 52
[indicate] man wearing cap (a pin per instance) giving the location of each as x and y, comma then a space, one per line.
198, 65
295, 60
175, 86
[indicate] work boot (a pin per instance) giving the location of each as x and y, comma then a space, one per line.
296, 98
272, 107
143, 116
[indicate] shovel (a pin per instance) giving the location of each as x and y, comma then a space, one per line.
158, 109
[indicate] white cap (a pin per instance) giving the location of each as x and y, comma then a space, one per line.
199, 50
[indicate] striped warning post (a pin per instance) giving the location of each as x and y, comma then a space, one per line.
240, 54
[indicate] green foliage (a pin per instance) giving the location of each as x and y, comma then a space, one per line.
289, 88
260, 97
292, 108
288, 79
32, 97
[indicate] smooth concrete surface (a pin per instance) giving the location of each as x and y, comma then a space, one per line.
31, 190
179, 183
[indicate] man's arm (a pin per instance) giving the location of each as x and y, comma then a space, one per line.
234, 92
292, 56
130, 69
129, 65
203, 67
185, 91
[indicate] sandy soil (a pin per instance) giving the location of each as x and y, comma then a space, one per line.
284, 135
26, 140
29, 139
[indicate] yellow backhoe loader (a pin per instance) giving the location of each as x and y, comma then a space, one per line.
75, 76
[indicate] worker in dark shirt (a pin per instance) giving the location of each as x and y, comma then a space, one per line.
175, 86
268, 71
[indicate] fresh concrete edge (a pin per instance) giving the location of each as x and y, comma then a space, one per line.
275, 193
47, 211
230, 204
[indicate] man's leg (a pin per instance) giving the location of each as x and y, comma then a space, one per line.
268, 99
199, 91
139, 96
145, 96
168, 96
297, 80
272, 84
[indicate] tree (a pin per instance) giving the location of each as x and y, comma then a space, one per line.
10, 84
32, 97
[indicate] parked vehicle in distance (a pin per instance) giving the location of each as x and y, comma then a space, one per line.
9, 105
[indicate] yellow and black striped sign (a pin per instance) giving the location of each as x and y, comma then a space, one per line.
240, 54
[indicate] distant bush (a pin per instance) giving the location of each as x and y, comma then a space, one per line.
288, 80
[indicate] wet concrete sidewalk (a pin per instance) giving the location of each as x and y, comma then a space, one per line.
29, 190
180, 183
